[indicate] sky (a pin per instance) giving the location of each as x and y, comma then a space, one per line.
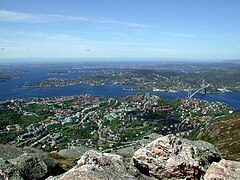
197, 29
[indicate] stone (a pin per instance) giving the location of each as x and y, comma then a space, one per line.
8, 171
52, 166
74, 152
169, 157
26, 163
225, 169
10, 152
102, 166
30, 166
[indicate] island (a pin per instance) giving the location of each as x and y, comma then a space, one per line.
218, 80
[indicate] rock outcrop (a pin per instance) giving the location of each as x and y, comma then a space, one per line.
27, 163
29, 166
9, 171
101, 166
74, 152
24, 167
222, 170
10, 152
169, 157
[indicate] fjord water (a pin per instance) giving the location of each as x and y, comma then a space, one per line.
15, 88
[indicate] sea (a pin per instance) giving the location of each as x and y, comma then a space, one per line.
14, 88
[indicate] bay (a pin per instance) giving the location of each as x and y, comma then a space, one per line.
14, 88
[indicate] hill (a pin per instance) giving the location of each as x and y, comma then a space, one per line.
224, 134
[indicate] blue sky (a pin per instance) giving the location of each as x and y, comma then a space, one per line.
202, 29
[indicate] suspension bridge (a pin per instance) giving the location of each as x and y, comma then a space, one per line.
204, 86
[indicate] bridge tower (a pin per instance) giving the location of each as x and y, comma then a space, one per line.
189, 92
204, 86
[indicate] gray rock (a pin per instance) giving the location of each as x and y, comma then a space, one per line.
10, 152
74, 152
53, 167
101, 166
8, 171
30, 166
24, 167
169, 157
223, 170
130, 150
26, 163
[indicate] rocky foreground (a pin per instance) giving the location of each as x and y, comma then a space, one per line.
167, 157
26, 163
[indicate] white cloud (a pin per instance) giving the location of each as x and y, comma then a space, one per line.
16, 16
12, 16
123, 23
181, 35
63, 37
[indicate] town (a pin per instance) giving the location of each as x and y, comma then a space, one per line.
55, 123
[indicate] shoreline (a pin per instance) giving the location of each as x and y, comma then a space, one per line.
166, 94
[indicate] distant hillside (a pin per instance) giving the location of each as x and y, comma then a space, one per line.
224, 133
237, 61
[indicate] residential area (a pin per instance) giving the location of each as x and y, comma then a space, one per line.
99, 122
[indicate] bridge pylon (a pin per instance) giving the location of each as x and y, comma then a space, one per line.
189, 92
203, 87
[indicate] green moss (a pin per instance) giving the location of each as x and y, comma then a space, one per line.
63, 161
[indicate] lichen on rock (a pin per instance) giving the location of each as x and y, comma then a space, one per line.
102, 166
225, 169
169, 157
